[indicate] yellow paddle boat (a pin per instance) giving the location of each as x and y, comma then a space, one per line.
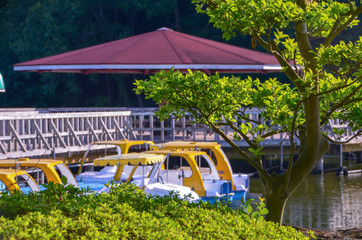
11, 178
48, 166
240, 181
196, 170
141, 162
107, 173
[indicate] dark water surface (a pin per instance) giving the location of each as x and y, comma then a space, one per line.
324, 201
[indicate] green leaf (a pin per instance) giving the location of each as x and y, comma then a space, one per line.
264, 211
249, 209
64, 180
254, 215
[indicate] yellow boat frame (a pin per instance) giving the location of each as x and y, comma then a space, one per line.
9, 178
46, 165
134, 159
195, 181
123, 144
222, 165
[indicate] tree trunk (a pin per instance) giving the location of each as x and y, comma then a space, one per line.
275, 203
278, 188
275, 197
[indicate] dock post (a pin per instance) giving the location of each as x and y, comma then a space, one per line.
359, 156
172, 128
319, 167
53, 152
340, 156
217, 138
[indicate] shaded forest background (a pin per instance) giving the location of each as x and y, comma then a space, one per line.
31, 29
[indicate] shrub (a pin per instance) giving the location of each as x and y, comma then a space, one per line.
127, 213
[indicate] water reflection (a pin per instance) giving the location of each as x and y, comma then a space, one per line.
324, 201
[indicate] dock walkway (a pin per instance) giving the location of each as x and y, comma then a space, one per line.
29, 132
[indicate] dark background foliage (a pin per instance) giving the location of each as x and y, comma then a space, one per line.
31, 29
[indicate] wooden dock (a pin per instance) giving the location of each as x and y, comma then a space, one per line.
29, 132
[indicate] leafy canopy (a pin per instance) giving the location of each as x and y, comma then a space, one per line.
330, 72
325, 78
215, 99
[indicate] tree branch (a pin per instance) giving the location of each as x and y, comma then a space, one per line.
335, 32
263, 174
295, 115
271, 133
243, 117
246, 138
338, 88
345, 101
289, 71
359, 133
293, 147
290, 164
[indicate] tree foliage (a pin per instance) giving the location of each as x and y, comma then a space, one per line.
325, 76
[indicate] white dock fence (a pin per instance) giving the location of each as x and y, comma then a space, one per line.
43, 132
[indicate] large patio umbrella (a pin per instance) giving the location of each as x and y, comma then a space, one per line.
150, 52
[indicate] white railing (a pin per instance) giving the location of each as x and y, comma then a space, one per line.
27, 134
146, 126
45, 132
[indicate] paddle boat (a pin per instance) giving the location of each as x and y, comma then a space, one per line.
149, 182
239, 181
196, 170
12, 178
53, 169
107, 173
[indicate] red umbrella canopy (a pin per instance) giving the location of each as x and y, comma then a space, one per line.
150, 52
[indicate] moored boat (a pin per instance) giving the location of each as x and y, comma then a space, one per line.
52, 169
239, 181
149, 182
12, 178
107, 173
196, 170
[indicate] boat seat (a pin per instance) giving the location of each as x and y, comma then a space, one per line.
212, 175
140, 171
171, 176
187, 172
205, 170
241, 182
108, 169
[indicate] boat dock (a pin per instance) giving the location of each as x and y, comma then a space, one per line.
30, 132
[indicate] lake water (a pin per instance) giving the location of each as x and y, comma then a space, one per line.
324, 201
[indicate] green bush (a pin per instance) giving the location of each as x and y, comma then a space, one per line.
127, 213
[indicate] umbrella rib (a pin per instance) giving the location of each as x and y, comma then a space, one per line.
174, 49
196, 39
